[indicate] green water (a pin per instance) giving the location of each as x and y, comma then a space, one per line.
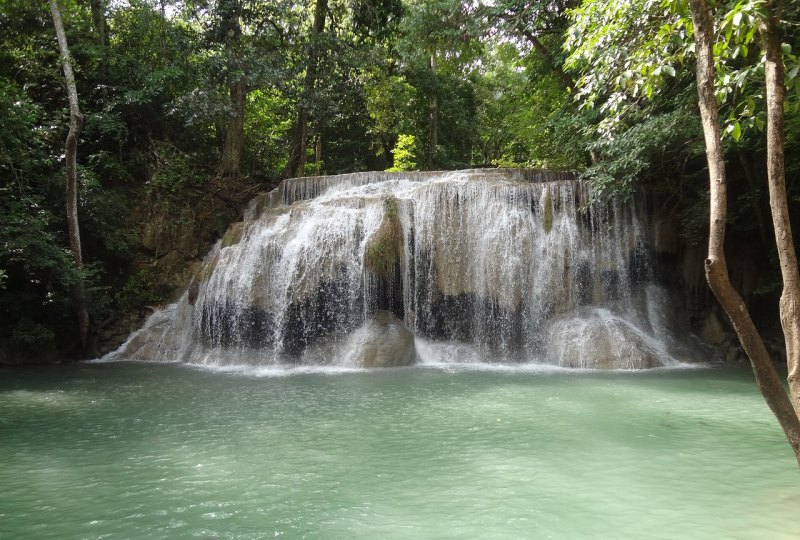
168, 451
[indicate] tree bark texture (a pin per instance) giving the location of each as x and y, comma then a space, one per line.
98, 8
716, 266
318, 153
296, 165
297, 152
776, 175
71, 151
162, 33
230, 167
234, 133
433, 127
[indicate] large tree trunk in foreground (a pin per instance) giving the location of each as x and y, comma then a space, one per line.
790, 297
75, 124
716, 266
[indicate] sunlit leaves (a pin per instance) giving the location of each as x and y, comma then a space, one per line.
626, 50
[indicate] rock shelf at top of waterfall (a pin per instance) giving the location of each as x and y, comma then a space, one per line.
353, 270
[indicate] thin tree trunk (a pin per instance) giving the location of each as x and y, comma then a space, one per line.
565, 79
296, 165
388, 144
230, 166
776, 175
162, 34
234, 133
98, 8
716, 266
71, 151
297, 153
433, 128
318, 154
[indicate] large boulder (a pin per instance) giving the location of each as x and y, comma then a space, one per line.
383, 341
597, 339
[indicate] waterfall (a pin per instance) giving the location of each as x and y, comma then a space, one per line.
384, 269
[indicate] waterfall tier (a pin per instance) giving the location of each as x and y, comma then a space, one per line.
386, 269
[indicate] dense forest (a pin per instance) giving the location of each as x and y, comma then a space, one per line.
191, 107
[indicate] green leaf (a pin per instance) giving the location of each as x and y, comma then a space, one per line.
736, 133
669, 70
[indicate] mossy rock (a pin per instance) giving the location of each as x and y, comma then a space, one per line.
547, 211
233, 235
200, 276
383, 341
384, 252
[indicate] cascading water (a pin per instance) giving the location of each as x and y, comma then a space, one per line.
385, 269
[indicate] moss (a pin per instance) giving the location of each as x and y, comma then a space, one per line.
200, 276
383, 253
233, 235
547, 211
389, 208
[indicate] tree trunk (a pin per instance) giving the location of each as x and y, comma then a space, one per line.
234, 133
388, 143
71, 151
296, 165
565, 79
776, 176
318, 154
716, 266
98, 8
433, 128
162, 33
230, 167
297, 153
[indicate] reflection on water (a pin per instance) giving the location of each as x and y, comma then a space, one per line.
170, 451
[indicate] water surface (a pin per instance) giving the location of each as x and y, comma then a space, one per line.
135, 450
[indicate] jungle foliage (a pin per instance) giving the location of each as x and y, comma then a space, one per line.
191, 106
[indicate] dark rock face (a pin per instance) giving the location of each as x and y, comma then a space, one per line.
328, 312
470, 318
225, 324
